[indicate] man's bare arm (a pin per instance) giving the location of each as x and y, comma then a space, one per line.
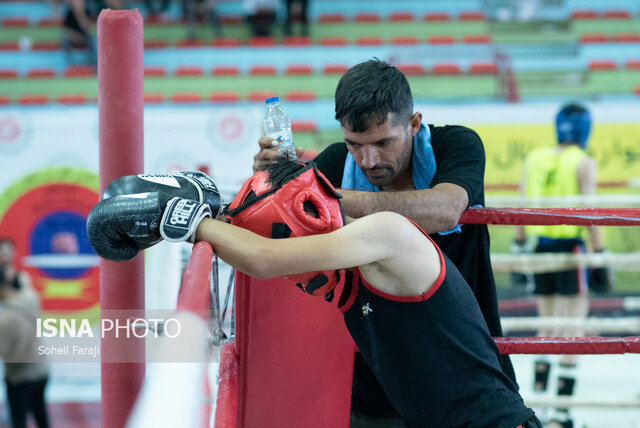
587, 184
435, 210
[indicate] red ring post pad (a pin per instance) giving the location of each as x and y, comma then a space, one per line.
551, 216
568, 345
120, 110
194, 292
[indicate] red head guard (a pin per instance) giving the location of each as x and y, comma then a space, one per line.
280, 213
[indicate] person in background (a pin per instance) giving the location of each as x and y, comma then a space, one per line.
297, 10
564, 169
26, 372
260, 15
194, 11
391, 161
78, 26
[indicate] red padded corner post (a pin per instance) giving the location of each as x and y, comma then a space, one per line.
295, 357
120, 89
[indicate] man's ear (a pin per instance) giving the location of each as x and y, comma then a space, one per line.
415, 121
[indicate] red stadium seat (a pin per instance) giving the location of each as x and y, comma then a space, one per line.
155, 71
401, 17
9, 46
446, 68
72, 99
262, 41
4, 100
477, 39
45, 46
8, 74
328, 18
262, 70
260, 96
579, 14
186, 97
617, 14
594, 38
224, 97
189, 43
441, 40
404, 40
226, 42
153, 98
599, 65
155, 44
627, 37
333, 41
471, 16
637, 90
300, 96
369, 41
436, 17
633, 64
41, 73
188, 71
231, 20
335, 69
304, 126
301, 69
33, 99
50, 22
15, 21
225, 70
366, 17
483, 68
79, 71
297, 41
411, 69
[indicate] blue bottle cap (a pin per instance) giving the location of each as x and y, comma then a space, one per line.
272, 100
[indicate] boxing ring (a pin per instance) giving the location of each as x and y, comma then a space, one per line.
290, 357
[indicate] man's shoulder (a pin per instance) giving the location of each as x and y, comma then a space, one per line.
445, 132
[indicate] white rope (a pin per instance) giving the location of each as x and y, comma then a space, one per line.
172, 395
593, 201
591, 325
554, 262
61, 261
600, 401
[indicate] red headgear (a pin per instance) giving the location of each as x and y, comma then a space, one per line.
280, 213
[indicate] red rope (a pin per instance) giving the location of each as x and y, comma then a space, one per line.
194, 292
553, 216
568, 345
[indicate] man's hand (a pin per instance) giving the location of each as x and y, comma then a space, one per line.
269, 153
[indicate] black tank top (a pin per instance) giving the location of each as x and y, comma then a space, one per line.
433, 354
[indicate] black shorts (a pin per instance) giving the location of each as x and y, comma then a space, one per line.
566, 283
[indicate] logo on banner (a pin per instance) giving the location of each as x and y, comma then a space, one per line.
228, 130
13, 133
45, 215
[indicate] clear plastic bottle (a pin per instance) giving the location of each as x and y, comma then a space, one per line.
277, 125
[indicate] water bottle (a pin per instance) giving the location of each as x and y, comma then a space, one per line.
278, 126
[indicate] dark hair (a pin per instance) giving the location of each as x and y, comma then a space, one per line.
283, 170
370, 91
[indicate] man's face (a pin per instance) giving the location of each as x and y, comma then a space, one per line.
383, 152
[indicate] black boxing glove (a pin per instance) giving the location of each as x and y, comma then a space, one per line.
193, 185
120, 226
